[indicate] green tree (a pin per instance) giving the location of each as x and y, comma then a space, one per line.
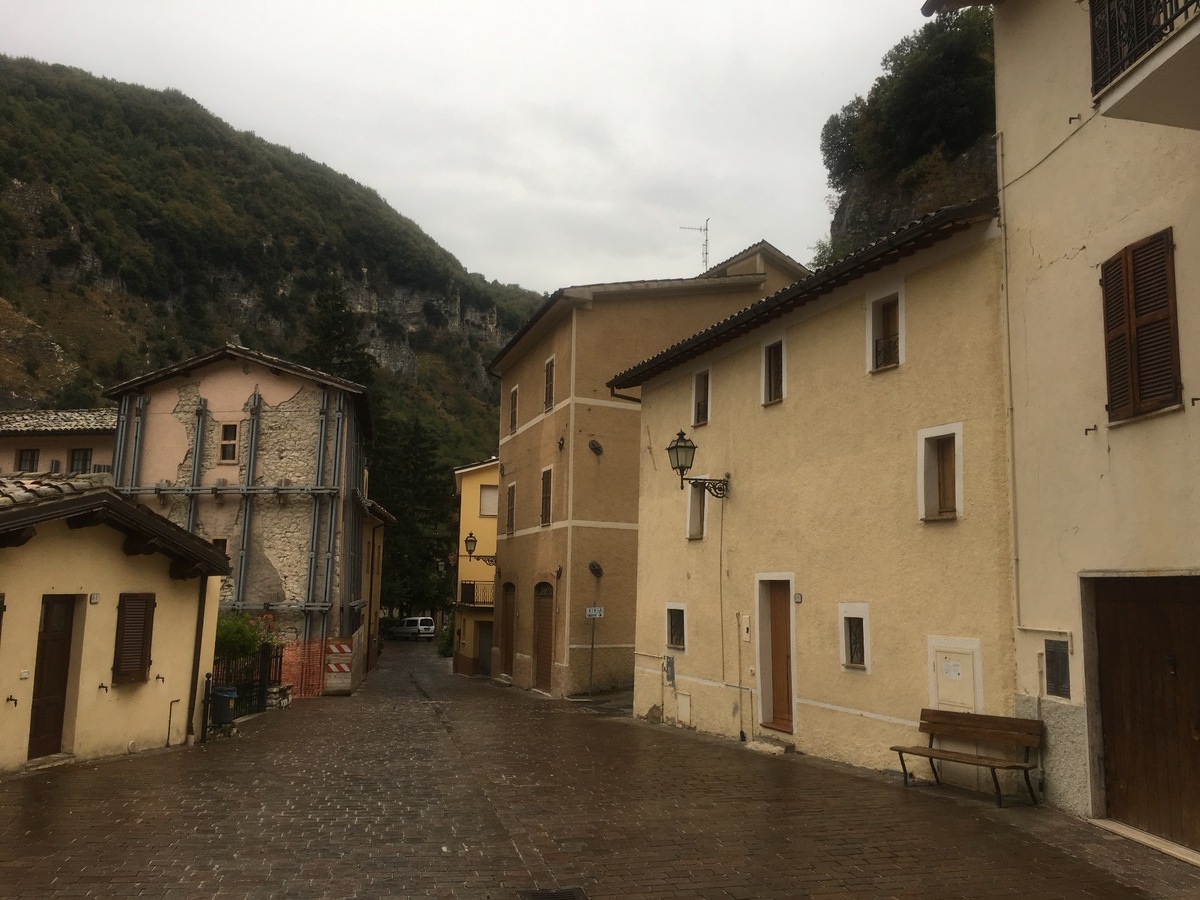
334, 346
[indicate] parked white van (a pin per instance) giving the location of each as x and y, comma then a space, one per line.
413, 629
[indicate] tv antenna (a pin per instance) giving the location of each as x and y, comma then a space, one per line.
704, 231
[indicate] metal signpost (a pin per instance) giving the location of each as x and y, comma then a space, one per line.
593, 613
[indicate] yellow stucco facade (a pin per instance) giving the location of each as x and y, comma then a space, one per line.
568, 493
823, 602
477, 487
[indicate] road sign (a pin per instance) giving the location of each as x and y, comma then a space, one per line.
595, 612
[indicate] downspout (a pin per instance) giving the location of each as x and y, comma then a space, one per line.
119, 440
247, 499
139, 433
612, 391
197, 449
315, 526
334, 498
200, 611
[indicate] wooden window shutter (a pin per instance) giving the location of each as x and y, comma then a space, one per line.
1140, 328
135, 629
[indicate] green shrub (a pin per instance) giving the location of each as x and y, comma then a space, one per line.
445, 637
239, 634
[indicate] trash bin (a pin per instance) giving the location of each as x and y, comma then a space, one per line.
223, 700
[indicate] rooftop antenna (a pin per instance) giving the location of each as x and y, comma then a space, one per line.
703, 230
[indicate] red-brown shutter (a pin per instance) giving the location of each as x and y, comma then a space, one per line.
135, 628
1141, 339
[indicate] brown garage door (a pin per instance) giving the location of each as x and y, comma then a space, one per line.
543, 638
1148, 632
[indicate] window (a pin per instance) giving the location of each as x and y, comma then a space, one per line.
135, 629
676, 631
229, 443
939, 472
1141, 335
222, 544
102, 468
489, 497
885, 333
697, 508
700, 398
1058, 669
512, 411
547, 480
549, 384
773, 372
81, 460
27, 460
509, 514
855, 636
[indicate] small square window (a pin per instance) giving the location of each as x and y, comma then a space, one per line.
229, 443
221, 544
676, 630
856, 653
27, 460
700, 398
855, 638
773, 372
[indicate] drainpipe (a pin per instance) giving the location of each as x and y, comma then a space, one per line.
196, 647
315, 526
247, 499
334, 498
121, 436
197, 448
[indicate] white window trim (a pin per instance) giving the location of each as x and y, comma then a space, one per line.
696, 494
872, 324
927, 469
705, 371
667, 627
855, 610
495, 504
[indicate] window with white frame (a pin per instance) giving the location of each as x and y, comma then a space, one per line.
700, 398
883, 336
939, 472
27, 460
854, 634
676, 627
697, 510
489, 498
772, 390
228, 452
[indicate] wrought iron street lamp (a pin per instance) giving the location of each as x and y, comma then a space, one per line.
471, 542
682, 453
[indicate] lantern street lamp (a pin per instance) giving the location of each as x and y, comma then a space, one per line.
471, 542
682, 453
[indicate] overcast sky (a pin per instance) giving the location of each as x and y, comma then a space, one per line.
542, 142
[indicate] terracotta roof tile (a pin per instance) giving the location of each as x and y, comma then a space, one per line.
58, 421
23, 487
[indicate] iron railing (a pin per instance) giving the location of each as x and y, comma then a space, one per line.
1123, 31
478, 593
887, 351
251, 675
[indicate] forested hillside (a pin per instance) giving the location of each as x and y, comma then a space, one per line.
137, 229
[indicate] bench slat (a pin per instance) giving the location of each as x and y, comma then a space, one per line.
987, 729
986, 762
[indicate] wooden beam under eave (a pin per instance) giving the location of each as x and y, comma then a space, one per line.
183, 569
17, 538
140, 545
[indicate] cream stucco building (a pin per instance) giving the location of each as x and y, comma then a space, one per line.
859, 566
1098, 130
57, 440
568, 457
107, 618
265, 458
477, 488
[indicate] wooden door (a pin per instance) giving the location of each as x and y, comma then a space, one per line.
508, 622
781, 657
543, 636
483, 633
1147, 633
50, 675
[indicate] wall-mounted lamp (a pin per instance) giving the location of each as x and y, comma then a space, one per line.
562, 442
11, 699
595, 447
103, 687
682, 453
595, 568
558, 573
471, 542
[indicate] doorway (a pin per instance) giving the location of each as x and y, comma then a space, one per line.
1147, 631
543, 636
51, 675
775, 652
483, 638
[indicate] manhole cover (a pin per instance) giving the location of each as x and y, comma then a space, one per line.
554, 894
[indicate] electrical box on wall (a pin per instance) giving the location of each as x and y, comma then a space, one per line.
745, 627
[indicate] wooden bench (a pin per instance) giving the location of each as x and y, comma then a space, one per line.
995, 730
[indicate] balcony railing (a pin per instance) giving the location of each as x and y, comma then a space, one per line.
477, 593
887, 351
1123, 31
